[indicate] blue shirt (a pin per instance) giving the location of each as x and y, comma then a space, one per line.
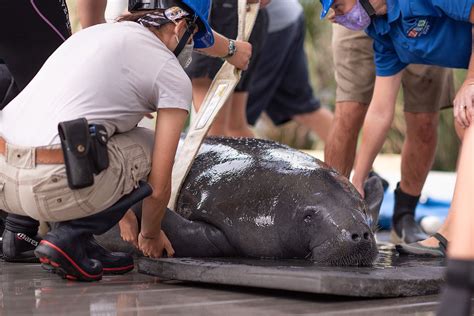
433, 32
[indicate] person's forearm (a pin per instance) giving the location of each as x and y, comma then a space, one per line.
241, 57
91, 12
220, 47
377, 123
376, 126
153, 210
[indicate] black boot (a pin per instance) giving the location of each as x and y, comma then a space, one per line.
19, 247
20, 239
405, 230
68, 249
64, 253
112, 262
457, 293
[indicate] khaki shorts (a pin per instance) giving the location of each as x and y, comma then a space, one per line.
42, 192
425, 88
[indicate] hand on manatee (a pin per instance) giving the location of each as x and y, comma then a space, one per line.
359, 187
129, 228
153, 247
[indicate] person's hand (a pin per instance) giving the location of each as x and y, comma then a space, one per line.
129, 228
463, 108
242, 55
153, 246
359, 185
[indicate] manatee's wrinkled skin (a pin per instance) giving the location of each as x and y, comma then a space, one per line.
257, 198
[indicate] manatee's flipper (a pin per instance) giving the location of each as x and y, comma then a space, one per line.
195, 239
191, 238
373, 190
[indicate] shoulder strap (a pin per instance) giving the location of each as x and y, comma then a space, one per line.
368, 8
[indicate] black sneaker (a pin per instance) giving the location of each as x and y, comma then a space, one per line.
112, 262
19, 247
68, 258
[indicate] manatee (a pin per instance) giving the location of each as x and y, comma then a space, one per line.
257, 198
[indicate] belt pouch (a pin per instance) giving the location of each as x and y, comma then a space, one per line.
76, 145
99, 152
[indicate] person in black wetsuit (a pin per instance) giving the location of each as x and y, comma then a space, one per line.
29, 34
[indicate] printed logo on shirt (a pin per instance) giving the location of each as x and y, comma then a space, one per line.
421, 27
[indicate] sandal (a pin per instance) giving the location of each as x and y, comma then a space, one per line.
417, 249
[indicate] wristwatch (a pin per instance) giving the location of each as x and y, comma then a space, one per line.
231, 49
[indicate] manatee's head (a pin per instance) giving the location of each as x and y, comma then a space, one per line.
336, 223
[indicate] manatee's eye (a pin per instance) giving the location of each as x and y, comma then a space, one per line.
309, 213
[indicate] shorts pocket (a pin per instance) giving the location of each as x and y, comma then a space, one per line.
137, 166
56, 201
105, 192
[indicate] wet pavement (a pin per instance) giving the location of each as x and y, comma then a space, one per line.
26, 289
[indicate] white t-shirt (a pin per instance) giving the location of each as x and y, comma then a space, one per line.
111, 74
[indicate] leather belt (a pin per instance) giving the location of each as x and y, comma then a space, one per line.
45, 156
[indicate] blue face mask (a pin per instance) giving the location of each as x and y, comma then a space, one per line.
356, 19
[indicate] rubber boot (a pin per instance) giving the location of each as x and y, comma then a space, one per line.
64, 252
405, 230
68, 249
112, 262
20, 238
457, 293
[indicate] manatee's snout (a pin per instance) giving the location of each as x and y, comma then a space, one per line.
351, 246
360, 236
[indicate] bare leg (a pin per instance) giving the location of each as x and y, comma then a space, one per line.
444, 230
457, 293
341, 144
91, 12
200, 88
319, 122
237, 121
462, 232
418, 150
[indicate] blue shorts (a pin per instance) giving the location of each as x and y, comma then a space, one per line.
280, 83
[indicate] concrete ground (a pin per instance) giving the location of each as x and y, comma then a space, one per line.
26, 289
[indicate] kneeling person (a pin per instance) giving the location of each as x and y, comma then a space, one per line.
110, 76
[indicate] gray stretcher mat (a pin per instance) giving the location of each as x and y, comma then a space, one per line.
391, 276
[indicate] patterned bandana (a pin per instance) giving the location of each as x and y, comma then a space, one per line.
156, 19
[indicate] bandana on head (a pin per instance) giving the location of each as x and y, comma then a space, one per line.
156, 19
